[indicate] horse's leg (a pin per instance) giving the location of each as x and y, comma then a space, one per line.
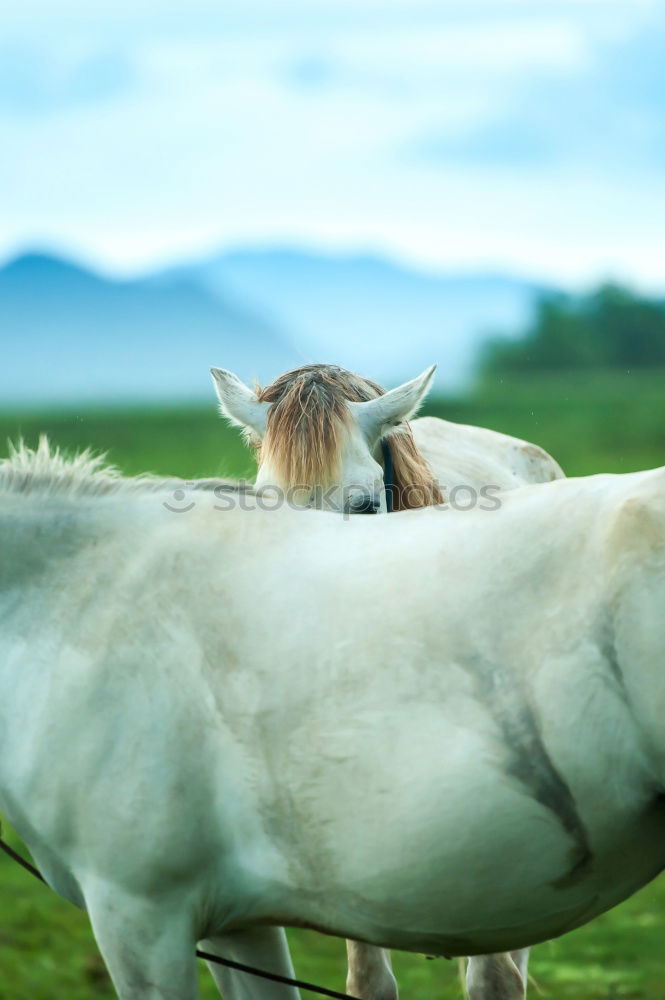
149, 952
263, 947
498, 977
370, 975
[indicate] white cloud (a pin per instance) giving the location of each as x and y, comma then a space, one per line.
214, 138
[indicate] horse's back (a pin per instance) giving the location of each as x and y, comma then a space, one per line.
478, 456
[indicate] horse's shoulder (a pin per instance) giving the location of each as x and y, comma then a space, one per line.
637, 525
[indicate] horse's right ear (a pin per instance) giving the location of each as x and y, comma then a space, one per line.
377, 416
238, 403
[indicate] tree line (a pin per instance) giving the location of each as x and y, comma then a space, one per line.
611, 328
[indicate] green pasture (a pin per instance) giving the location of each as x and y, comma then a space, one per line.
47, 952
591, 423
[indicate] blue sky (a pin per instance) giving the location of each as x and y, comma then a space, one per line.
525, 136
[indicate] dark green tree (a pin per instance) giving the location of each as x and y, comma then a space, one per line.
611, 327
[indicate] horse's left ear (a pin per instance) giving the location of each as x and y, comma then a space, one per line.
238, 403
378, 415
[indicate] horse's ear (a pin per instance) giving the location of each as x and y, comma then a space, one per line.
238, 403
378, 415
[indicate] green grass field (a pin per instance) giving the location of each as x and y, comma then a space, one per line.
590, 424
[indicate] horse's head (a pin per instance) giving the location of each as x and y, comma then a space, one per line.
318, 430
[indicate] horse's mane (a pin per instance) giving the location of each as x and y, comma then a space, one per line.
45, 470
305, 433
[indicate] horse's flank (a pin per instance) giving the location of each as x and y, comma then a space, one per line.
306, 428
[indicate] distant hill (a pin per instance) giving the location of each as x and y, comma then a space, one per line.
70, 334
371, 314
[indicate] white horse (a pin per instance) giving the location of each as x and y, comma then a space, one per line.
196, 742
319, 431
319, 428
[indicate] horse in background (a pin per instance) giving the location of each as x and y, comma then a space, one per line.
319, 430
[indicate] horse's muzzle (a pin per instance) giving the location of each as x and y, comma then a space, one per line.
364, 503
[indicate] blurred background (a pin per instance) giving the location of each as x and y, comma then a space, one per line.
382, 185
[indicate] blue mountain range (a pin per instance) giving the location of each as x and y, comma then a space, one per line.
371, 314
71, 334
